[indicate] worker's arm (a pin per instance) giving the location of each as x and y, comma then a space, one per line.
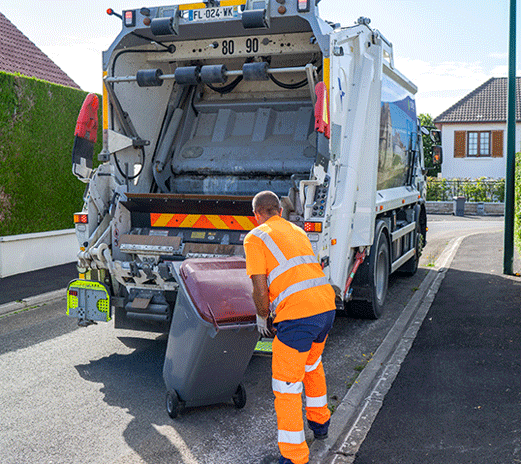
260, 295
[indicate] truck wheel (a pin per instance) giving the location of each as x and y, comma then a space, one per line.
239, 397
411, 266
172, 404
376, 277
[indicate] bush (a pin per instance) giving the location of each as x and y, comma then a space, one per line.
477, 190
38, 191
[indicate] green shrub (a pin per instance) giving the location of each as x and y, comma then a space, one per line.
476, 190
38, 191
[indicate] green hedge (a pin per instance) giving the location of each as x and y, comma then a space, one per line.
476, 190
38, 191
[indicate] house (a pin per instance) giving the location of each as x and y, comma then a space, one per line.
474, 132
19, 55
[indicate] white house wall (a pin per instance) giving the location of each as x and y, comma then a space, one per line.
473, 167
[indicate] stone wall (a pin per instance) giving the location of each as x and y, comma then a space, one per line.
471, 208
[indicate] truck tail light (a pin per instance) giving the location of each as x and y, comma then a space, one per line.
129, 18
303, 6
81, 218
313, 226
322, 119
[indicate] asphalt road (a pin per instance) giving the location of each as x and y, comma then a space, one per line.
96, 394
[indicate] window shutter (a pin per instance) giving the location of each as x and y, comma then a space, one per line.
497, 144
460, 138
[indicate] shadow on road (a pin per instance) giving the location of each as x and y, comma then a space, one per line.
134, 383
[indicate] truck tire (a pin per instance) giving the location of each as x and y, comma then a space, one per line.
375, 277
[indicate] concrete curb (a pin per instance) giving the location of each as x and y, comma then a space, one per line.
37, 300
353, 417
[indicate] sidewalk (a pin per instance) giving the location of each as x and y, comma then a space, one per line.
30, 284
457, 396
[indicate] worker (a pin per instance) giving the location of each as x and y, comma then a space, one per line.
289, 283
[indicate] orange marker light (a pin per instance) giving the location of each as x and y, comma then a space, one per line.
333, 242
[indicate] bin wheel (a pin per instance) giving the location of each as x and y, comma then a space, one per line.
239, 398
172, 404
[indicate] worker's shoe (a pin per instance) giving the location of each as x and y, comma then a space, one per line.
320, 430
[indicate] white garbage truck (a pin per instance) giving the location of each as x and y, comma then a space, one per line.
206, 104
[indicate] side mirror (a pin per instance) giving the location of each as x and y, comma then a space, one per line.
85, 137
435, 135
437, 155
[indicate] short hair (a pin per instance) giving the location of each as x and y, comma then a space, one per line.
266, 203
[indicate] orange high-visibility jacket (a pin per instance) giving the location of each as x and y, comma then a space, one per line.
297, 285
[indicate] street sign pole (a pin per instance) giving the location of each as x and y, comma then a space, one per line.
508, 257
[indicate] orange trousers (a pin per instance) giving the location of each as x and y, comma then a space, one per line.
294, 371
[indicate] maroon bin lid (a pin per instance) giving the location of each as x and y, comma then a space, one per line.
220, 289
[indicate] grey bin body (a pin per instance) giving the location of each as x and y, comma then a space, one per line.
206, 361
459, 206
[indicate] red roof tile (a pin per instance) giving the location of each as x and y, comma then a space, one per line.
19, 55
487, 103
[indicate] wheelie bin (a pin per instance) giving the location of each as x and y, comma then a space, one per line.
212, 336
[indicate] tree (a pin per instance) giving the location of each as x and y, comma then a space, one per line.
427, 122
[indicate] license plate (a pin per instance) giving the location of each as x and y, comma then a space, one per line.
213, 14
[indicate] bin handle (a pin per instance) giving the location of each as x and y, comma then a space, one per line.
217, 328
225, 327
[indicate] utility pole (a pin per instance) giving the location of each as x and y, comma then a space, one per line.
508, 258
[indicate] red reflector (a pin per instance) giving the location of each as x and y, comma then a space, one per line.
313, 226
303, 5
73, 292
81, 219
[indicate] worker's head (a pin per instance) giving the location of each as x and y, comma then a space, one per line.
265, 205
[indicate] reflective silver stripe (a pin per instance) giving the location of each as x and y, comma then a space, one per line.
294, 438
286, 387
270, 244
316, 402
311, 368
288, 264
299, 286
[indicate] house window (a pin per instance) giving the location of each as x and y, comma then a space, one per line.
478, 143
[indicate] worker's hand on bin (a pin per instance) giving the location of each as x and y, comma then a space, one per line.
262, 326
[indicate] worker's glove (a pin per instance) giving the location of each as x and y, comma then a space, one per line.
262, 326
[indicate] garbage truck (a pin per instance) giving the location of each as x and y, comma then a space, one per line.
206, 104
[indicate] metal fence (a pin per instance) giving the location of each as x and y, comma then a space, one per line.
478, 190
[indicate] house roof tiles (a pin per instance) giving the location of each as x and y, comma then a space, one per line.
487, 103
19, 55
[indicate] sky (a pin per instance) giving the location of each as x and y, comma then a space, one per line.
446, 47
